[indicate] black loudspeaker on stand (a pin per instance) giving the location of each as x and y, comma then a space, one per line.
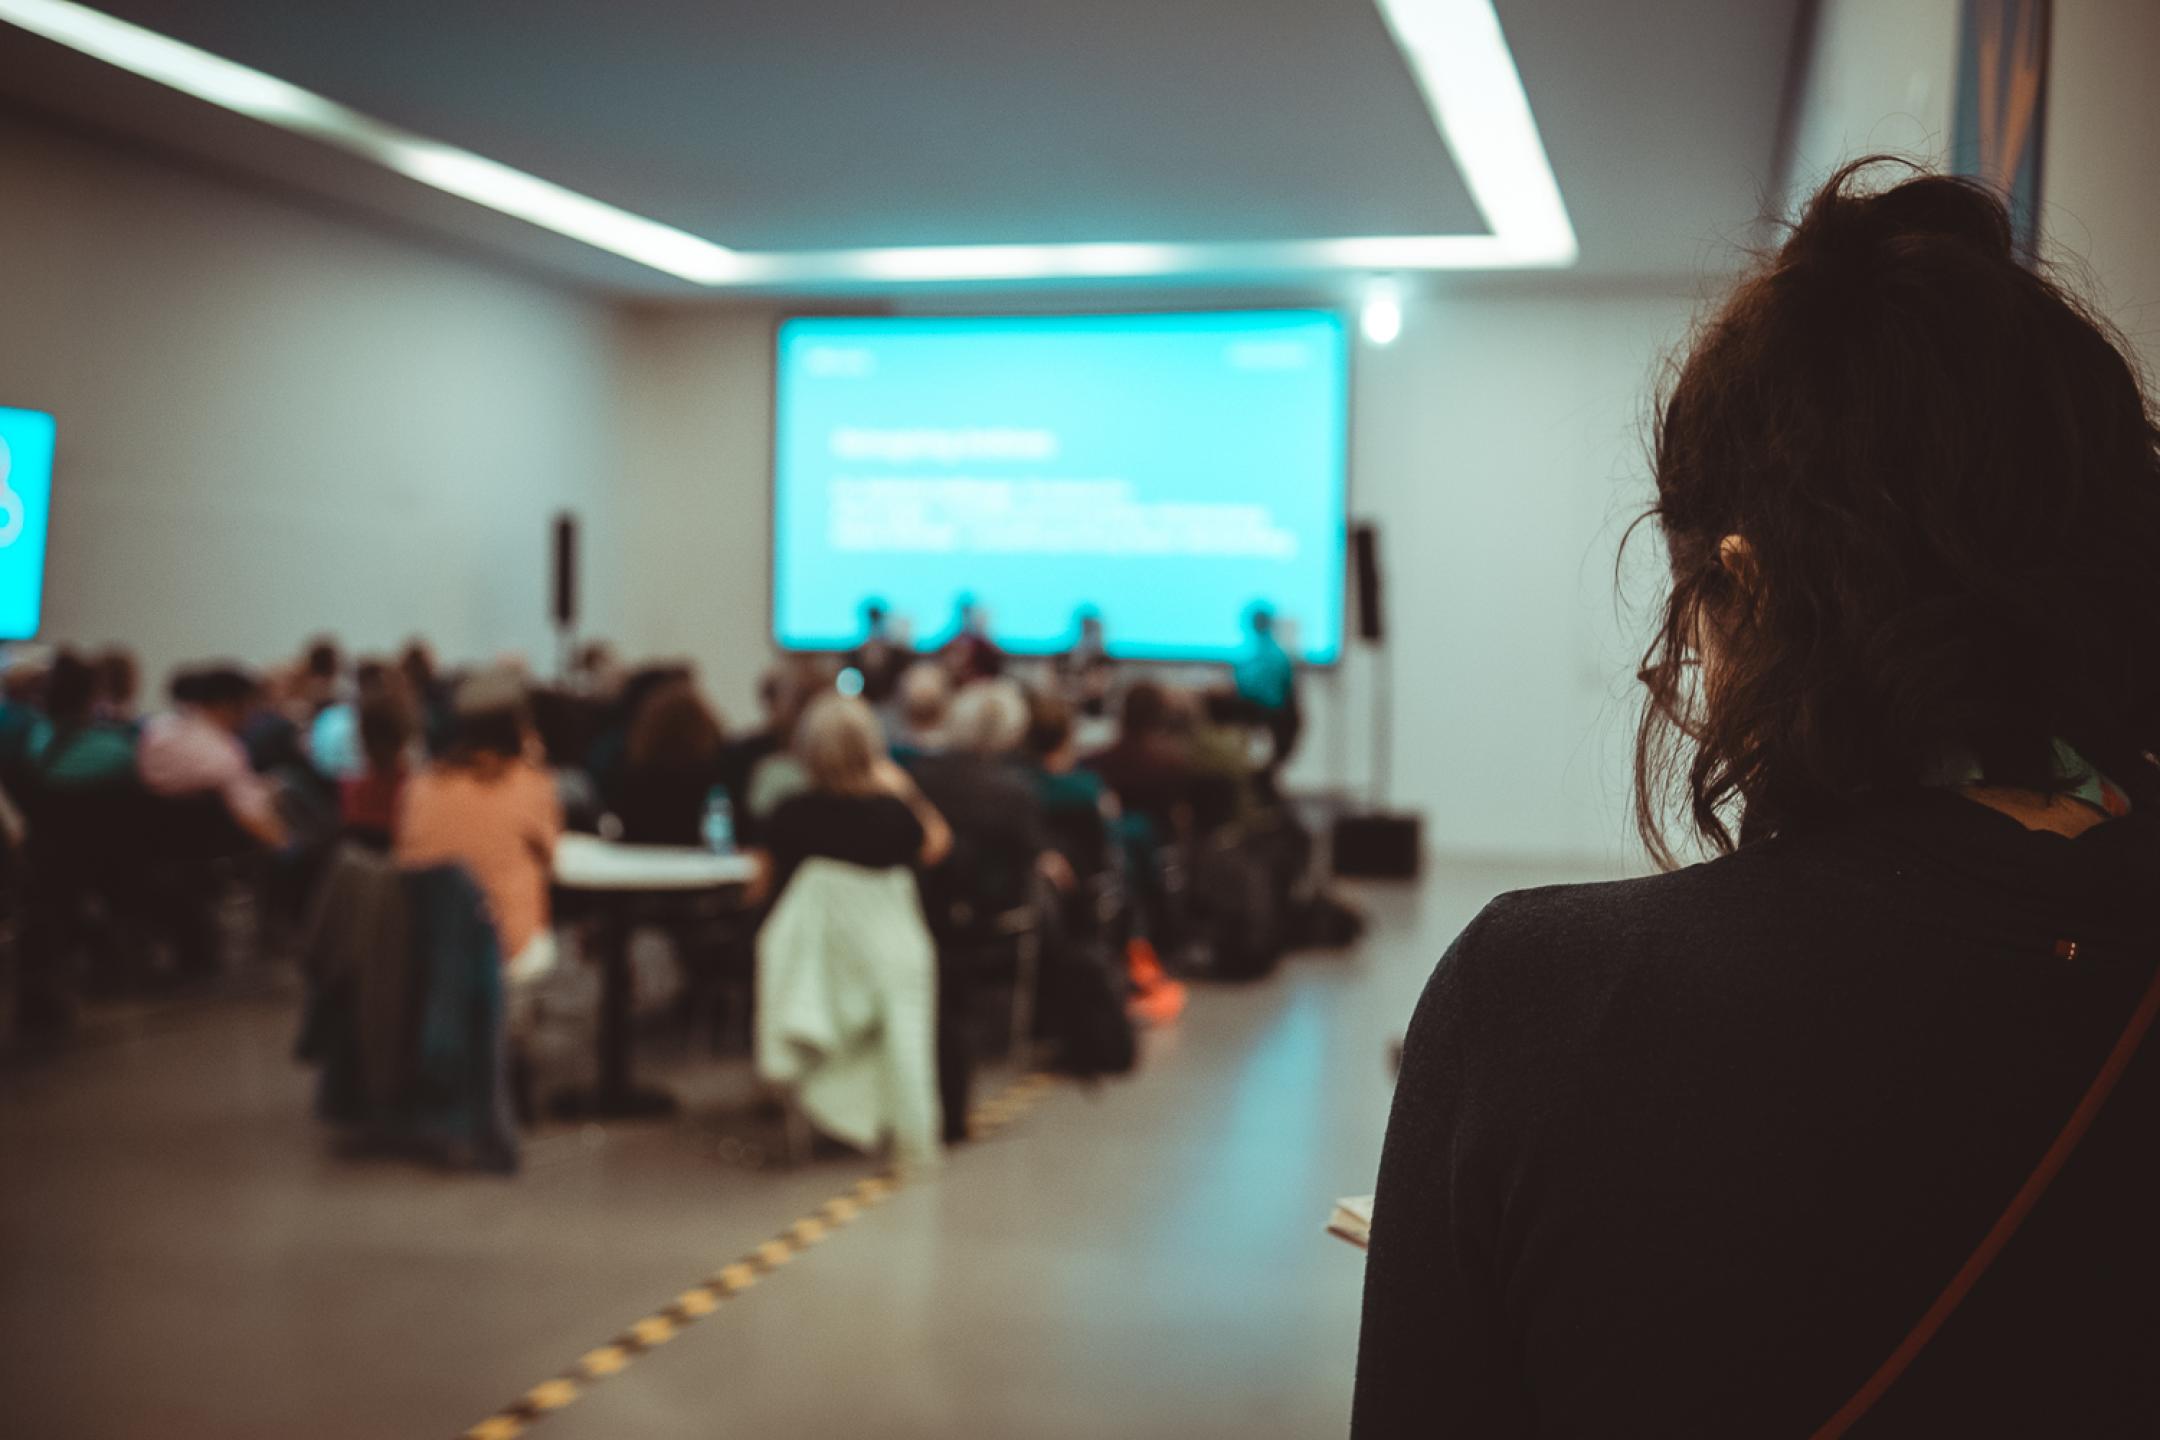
1373, 842
563, 597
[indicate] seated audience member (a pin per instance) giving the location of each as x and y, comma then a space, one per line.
333, 740
999, 838
389, 734
675, 762
119, 688
71, 747
78, 788
276, 743
318, 681
487, 806
430, 697
858, 807
1849, 1129
924, 696
846, 973
1226, 781
22, 703
744, 752
596, 673
779, 772
610, 749
1149, 768
1076, 805
1000, 845
77, 779
194, 749
1151, 772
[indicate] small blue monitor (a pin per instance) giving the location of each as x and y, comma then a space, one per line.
26, 457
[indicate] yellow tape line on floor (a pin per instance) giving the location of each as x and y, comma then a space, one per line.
732, 1279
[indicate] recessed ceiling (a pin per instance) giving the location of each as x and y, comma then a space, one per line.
815, 125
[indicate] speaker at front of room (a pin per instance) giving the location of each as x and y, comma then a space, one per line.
565, 609
1376, 846
1365, 565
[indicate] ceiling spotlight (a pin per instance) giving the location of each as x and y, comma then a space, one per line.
1381, 319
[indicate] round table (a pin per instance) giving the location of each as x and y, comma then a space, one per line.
616, 879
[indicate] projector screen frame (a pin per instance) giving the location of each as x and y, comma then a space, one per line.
1336, 306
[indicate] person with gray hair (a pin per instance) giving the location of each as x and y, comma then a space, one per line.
920, 710
1001, 844
988, 718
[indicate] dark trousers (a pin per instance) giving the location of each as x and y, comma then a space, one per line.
955, 1040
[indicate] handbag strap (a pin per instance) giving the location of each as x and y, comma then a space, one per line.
2021, 1205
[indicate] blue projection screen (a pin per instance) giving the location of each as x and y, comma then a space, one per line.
1168, 471
26, 456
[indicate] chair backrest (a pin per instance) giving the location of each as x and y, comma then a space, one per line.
190, 827
101, 824
1082, 836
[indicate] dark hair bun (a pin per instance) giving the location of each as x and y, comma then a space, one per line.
1949, 487
1848, 227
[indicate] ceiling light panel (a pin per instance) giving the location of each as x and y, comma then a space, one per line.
1454, 48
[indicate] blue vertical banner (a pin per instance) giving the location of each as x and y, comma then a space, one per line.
26, 457
2002, 106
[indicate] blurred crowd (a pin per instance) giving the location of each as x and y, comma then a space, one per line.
1131, 828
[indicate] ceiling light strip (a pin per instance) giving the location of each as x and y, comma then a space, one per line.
458, 172
1455, 50
1462, 63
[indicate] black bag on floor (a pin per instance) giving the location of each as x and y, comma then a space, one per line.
1325, 922
1234, 908
1084, 1013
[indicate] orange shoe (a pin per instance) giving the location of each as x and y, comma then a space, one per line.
1156, 998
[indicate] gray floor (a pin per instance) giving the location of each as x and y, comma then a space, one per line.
181, 1255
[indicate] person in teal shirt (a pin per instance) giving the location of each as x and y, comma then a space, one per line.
1265, 675
1266, 680
67, 747
23, 671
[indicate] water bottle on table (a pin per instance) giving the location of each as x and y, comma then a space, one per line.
719, 826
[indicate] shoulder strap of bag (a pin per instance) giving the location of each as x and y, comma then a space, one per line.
2021, 1205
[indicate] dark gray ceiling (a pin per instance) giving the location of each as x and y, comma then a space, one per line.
773, 125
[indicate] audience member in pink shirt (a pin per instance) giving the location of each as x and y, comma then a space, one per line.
195, 749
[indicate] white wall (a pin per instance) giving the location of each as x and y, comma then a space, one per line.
1879, 79
1499, 443
273, 422
2099, 185
694, 390
1882, 76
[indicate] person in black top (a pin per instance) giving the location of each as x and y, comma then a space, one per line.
861, 807
674, 760
608, 754
1699, 1154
